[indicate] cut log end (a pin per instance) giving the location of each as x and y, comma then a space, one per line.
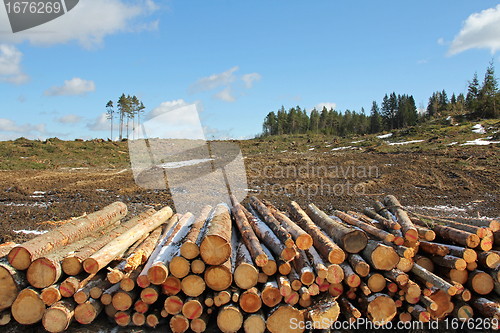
158, 273
72, 266
19, 258
190, 250
254, 324
246, 276
56, 320
91, 266
215, 250
229, 319
281, 320
262, 260
304, 241
179, 324
218, 278
355, 241
42, 273
28, 308
194, 286
179, 267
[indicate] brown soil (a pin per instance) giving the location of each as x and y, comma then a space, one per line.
466, 181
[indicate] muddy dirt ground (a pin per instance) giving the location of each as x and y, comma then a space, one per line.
461, 182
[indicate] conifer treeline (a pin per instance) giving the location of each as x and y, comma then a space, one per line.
395, 111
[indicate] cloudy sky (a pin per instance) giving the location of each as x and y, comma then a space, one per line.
235, 60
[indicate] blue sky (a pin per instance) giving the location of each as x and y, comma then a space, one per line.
237, 60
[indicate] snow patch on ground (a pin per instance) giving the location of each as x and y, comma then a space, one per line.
384, 136
341, 148
479, 142
405, 142
35, 232
358, 141
479, 129
440, 208
311, 148
452, 144
175, 165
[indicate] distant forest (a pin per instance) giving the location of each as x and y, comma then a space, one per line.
395, 111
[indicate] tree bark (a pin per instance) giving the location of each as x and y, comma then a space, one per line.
12, 282
407, 226
378, 233
379, 256
349, 239
245, 274
58, 317
20, 257
215, 248
190, 247
388, 224
141, 254
459, 236
434, 279
351, 278
450, 262
434, 248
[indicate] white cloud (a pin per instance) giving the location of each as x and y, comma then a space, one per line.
170, 106
10, 65
441, 41
101, 123
213, 81
249, 78
226, 95
88, 23
320, 106
73, 87
8, 125
479, 30
68, 119
296, 98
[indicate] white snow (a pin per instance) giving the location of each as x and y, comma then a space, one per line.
479, 129
358, 141
479, 142
384, 136
311, 148
440, 208
175, 165
405, 142
283, 151
38, 192
449, 117
36, 232
451, 144
341, 148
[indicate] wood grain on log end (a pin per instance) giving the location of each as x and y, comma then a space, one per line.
19, 258
246, 276
28, 308
179, 324
72, 266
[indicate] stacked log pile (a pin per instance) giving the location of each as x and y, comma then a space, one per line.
254, 268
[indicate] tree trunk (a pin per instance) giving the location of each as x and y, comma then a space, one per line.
485, 307
143, 252
245, 274
86, 313
488, 259
194, 286
376, 282
349, 239
481, 232
271, 267
379, 256
462, 311
215, 248
419, 313
107, 295
172, 285
83, 293
179, 266
434, 248
459, 236
28, 308
12, 282
109, 252
378, 233
58, 317
272, 223
434, 279
20, 257
450, 262
123, 318
139, 319
248, 236
379, 307
219, 277
388, 224
481, 282
302, 239
303, 268
336, 289
321, 242
173, 304
397, 276
72, 264
190, 247
179, 324
409, 230
255, 323
335, 274
271, 294
124, 300
158, 272
351, 278
285, 319
229, 319
358, 264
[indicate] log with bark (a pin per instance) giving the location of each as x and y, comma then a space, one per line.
481, 282
12, 282
190, 247
254, 323
324, 245
388, 224
380, 256
215, 248
173, 304
245, 274
229, 318
193, 307
113, 249
325, 311
82, 294
407, 226
200, 324
285, 319
271, 267
158, 271
378, 233
86, 313
250, 300
51, 294
378, 307
179, 324
58, 317
458, 236
349, 239
28, 308
271, 293
437, 281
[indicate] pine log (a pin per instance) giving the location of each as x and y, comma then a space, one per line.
215, 248
107, 295
197, 266
73, 264
173, 304
397, 276
378, 233
123, 300
128, 283
434, 279
110, 251
190, 247
407, 227
158, 272
245, 274
12, 282
324, 245
347, 307
351, 278
284, 285
248, 236
459, 236
139, 319
325, 311
229, 319
193, 308
285, 319
254, 323
58, 317
267, 236
419, 313
462, 311
317, 262
303, 268
250, 301
358, 264
179, 324
444, 303
280, 232
292, 299
179, 266
20, 257
425, 262
491, 224
434, 248
404, 264
488, 259
481, 232
200, 324
336, 289
123, 318
150, 294
141, 254
153, 318
388, 224
51, 295
83, 293
302, 239
143, 280
379, 307
86, 313
450, 262
425, 233
194, 286
271, 267
380, 256
349, 239
28, 308
376, 282
141, 307
72, 284
172, 285
485, 307
271, 294
481, 282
